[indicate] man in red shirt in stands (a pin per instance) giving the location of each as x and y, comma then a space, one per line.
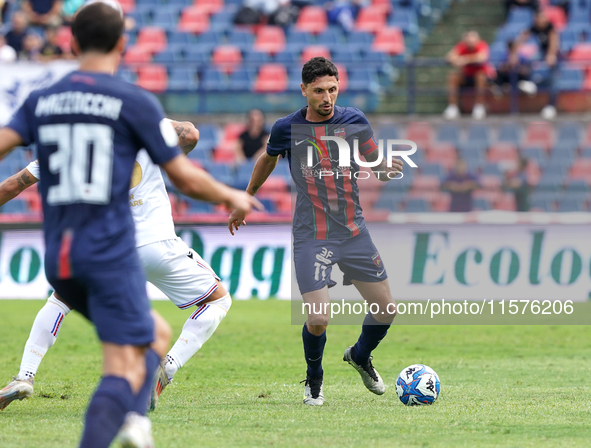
470, 57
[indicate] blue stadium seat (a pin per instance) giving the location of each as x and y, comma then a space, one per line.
541, 203
282, 169
168, 56
346, 56
390, 201
577, 185
182, 78
294, 79
126, 75
492, 169
268, 204
198, 207
287, 57
509, 32
359, 40
222, 20
181, 38
209, 40
388, 131
586, 152
242, 79
243, 39
208, 137
534, 153
213, 80
569, 132
364, 80
570, 78
220, 171
579, 11
375, 59
448, 133
479, 134
14, 206
332, 38
481, 204
297, 40
572, 205
433, 169
417, 205
197, 55
568, 39
405, 19
245, 169
253, 59
520, 16
509, 132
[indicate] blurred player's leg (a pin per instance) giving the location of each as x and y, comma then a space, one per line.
314, 340
373, 330
42, 336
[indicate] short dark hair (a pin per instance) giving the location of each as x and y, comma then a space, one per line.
317, 68
97, 27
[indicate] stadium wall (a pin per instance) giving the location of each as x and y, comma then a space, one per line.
488, 255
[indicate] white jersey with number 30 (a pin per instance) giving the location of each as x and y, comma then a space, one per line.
150, 206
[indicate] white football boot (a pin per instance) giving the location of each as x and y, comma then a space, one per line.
313, 395
370, 376
136, 432
15, 390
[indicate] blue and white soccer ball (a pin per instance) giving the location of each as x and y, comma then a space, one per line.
418, 384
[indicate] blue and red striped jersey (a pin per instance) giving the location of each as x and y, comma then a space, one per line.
327, 205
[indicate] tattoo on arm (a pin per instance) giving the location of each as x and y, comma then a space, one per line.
24, 181
255, 189
181, 131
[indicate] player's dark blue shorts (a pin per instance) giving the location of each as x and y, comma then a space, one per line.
114, 300
357, 257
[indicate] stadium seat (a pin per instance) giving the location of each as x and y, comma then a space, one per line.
127, 5
569, 132
226, 58
166, 17
509, 132
520, 16
209, 6
364, 80
539, 134
417, 205
426, 182
241, 38
213, 80
136, 55
343, 77
312, 19
198, 55
64, 38
581, 52
541, 205
16, 205
556, 16
287, 57
433, 169
405, 19
479, 135
571, 205
420, 133
176, 37
536, 153
481, 204
506, 201
443, 154
333, 38
384, 5
169, 56
359, 40
371, 19
579, 11
581, 169
502, 152
347, 55
183, 79
389, 40
193, 20
271, 78
152, 77
255, 58
194, 206
151, 39
490, 182
222, 20
297, 40
270, 39
448, 133
389, 201
242, 79
313, 51
570, 78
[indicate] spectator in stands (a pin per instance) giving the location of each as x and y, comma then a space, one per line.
43, 12
460, 184
17, 32
50, 49
470, 58
533, 4
343, 13
253, 141
285, 15
32, 44
517, 183
549, 41
7, 53
515, 71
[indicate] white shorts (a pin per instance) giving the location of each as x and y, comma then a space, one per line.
178, 271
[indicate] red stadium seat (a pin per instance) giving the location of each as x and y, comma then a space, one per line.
312, 19
274, 185
152, 77
64, 38
384, 5
581, 169
581, 52
232, 131
490, 195
209, 6
152, 39
194, 20
270, 39
539, 134
442, 153
224, 154
587, 82
136, 55
127, 5
442, 202
503, 152
312, 51
420, 133
371, 19
389, 40
226, 58
272, 78
556, 16
343, 77
506, 201
490, 182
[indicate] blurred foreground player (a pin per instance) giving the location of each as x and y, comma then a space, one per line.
328, 226
88, 128
179, 272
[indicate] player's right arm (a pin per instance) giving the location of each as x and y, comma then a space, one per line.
15, 185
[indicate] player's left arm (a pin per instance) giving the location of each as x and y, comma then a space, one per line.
9, 139
188, 135
15, 185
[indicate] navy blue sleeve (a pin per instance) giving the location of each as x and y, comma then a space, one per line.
153, 130
20, 123
367, 141
279, 142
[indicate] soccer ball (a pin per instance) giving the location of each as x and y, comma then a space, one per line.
418, 384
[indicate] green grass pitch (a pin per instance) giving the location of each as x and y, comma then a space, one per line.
501, 386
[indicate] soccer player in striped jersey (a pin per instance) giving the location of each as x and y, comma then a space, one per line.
88, 129
328, 225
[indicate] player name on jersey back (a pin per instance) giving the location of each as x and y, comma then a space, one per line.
74, 102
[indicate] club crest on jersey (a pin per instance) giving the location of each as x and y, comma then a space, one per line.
340, 132
377, 260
